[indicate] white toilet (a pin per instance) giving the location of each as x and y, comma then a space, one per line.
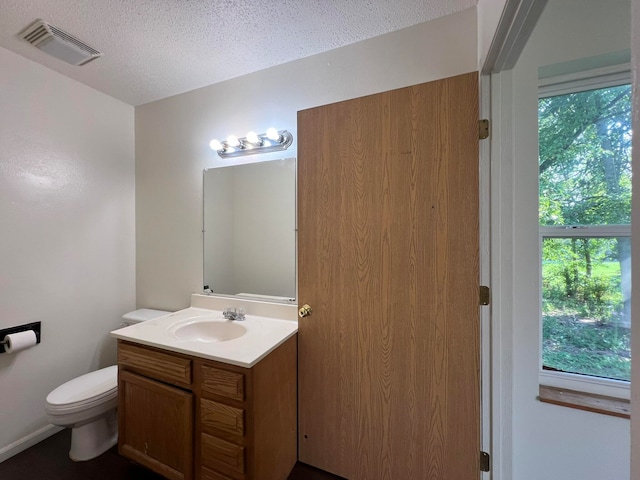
88, 404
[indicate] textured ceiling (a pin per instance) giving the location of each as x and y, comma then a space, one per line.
157, 48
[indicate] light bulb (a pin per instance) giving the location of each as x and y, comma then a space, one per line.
233, 141
252, 137
273, 134
216, 145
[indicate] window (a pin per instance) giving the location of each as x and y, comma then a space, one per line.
585, 214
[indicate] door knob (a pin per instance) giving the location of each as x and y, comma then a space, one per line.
304, 311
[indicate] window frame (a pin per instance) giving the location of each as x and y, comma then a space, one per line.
611, 76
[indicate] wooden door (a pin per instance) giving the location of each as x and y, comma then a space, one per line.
388, 261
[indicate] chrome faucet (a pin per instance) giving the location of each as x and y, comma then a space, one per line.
235, 313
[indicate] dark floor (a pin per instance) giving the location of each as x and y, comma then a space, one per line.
49, 460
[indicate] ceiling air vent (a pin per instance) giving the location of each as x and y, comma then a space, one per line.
59, 43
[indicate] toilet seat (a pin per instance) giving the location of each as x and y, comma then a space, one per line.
84, 392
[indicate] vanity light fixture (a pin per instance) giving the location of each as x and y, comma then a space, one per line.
271, 141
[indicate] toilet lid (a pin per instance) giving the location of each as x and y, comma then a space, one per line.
87, 388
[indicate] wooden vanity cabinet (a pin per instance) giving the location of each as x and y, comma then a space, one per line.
155, 410
246, 424
208, 420
158, 426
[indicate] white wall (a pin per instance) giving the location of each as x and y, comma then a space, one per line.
550, 442
67, 233
172, 135
489, 14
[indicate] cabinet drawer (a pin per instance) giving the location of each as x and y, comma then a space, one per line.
224, 420
221, 455
158, 365
206, 474
222, 382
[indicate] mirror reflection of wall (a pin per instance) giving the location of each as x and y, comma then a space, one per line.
249, 229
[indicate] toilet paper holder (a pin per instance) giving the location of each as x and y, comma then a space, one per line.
35, 326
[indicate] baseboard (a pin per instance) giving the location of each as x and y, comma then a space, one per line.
28, 441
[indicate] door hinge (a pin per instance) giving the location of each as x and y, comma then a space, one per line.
485, 295
485, 462
483, 129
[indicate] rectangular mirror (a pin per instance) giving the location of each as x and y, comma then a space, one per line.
250, 230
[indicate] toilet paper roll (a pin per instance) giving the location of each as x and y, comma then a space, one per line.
19, 341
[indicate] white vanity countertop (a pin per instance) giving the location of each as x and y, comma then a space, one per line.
263, 335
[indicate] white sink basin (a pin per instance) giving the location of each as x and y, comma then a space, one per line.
205, 333
208, 330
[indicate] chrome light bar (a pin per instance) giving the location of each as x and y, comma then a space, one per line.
271, 141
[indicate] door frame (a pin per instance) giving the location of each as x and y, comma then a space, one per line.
517, 22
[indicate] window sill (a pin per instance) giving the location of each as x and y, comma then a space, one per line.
591, 402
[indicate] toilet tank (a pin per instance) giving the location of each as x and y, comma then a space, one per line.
142, 315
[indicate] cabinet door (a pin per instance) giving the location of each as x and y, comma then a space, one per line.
389, 381
156, 425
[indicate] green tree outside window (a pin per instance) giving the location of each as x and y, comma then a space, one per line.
585, 215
